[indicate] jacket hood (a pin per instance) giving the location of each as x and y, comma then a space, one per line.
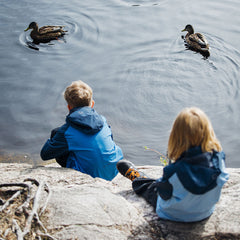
196, 170
85, 119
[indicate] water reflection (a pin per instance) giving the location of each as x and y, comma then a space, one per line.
205, 54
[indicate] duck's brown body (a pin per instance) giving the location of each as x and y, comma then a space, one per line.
45, 33
196, 41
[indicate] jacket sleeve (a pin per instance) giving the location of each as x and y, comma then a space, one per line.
164, 189
56, 146
162, 186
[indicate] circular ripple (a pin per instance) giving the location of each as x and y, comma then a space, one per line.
226, 61
83, 32
171, 77
139, 3
159, 78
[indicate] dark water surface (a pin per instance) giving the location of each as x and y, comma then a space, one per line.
132, 54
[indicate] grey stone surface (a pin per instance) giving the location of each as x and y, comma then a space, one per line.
81, 207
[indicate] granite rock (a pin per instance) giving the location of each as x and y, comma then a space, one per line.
81, 207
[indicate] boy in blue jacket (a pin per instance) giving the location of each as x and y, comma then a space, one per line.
84, 142
191, 185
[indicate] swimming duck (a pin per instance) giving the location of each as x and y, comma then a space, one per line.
46, 33
196, 41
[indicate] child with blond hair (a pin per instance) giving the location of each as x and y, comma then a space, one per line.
191, 184
85, 141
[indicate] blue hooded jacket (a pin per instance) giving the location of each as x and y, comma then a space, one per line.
87, 140
190, 187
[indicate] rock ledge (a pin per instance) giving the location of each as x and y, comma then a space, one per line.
81, 207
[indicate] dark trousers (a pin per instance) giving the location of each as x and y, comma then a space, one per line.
145, 188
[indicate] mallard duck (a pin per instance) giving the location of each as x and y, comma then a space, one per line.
45, 33
196, 41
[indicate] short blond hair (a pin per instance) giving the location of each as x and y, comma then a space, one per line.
190, 129
78, 94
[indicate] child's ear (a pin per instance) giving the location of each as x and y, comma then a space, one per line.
69, 107
92, 105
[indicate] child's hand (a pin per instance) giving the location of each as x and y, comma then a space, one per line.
53, 132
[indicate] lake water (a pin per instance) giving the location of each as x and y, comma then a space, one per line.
132, 54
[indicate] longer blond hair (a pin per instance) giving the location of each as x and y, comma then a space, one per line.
190, 129
78, 94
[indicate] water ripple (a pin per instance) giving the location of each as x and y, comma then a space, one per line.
83, 32
139, 3
171, 77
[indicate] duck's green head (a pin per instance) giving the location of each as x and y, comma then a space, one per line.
188, 28
32, 25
